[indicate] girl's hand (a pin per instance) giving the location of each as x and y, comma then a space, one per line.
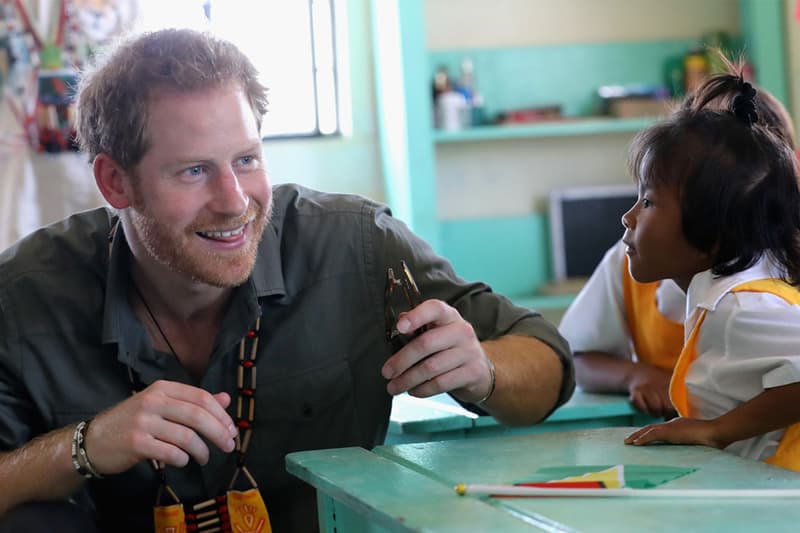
677, 431
648, 389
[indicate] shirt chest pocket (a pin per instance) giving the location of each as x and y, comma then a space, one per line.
306, 396
312, 408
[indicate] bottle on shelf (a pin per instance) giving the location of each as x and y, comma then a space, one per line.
695, 69
457, 103
477, 116
441, 82
466, 80
450, 111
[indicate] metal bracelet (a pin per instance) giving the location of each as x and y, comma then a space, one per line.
494, 381
80, 459
74, 448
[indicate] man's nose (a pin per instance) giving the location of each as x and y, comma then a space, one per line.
228, 196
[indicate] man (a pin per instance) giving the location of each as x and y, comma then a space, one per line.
201, 274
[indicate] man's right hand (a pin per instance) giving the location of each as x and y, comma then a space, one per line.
167, 422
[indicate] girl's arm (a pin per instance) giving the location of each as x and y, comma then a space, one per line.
647, 385
773, 409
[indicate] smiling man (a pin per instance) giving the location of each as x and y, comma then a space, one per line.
130, 337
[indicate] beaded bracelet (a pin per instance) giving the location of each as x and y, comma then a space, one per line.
80, 459
494, 382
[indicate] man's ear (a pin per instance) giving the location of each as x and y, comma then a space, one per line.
112, 180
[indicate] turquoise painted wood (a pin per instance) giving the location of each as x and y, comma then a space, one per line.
551, 307
566, 128
511, 254
442, 418
405, 119
392, 496
763, 28
408, 487
545, 302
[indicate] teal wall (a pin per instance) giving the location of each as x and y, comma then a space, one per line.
510, 254
763, 26
514, 78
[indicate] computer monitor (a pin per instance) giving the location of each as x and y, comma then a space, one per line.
584, 223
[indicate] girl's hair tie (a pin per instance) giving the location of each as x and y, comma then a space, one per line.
744, 105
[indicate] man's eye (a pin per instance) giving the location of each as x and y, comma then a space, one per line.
248, 161
646, 202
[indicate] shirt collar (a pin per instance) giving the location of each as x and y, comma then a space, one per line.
120, 325
267, 276
123, 329
706, 289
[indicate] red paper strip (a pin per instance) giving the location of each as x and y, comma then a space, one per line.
565, 485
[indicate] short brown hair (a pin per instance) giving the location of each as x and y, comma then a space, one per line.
113, 94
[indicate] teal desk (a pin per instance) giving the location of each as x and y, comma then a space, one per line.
441, 418
408, 487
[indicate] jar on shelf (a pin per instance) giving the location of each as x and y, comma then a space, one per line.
451, 111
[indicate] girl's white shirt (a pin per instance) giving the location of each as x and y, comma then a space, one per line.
748, 342
596, 319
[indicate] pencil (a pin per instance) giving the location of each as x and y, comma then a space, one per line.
513, 490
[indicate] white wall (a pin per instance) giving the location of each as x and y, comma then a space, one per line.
793, 58
499, 23
514, 177
492, 178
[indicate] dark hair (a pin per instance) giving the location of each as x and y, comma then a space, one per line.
715, 93
737, 177
113, 95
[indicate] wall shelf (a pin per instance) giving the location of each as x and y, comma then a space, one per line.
513, 254
562, 128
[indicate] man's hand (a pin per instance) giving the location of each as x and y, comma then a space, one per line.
678, 431
648, 387
167, 421
446, 358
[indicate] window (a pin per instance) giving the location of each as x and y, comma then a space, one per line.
292, 44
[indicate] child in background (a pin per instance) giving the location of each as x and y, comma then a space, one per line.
719, 214
627, 335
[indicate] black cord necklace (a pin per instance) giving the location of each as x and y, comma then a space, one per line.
153, 319
242, 509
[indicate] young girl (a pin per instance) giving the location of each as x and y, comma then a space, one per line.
719, 214
627, 336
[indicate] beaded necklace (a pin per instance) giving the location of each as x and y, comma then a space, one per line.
232, 510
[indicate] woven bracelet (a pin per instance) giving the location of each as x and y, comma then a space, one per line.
494, 382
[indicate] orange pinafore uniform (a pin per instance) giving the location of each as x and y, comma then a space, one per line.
788, 452
657, 340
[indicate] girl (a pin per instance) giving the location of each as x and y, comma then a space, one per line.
719, 214
627, 336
